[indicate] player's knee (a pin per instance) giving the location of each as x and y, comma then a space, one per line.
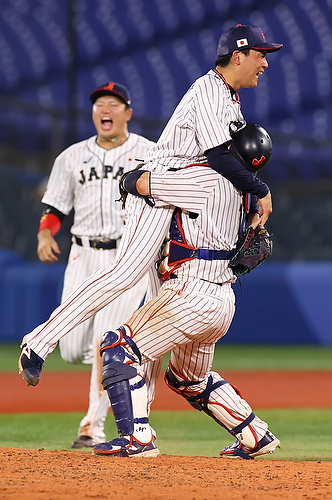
72, 352
196, 393
117, 362
122, 336
65, 351
172, 381
181, 386
109, 340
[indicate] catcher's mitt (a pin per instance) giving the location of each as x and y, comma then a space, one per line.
254, 247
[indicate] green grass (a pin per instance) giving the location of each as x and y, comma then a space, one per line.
227, 357
273, 357
305, 434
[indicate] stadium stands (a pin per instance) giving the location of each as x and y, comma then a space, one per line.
157, 48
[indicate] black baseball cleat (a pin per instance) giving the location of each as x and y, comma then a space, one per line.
122, 447
268, 444
30, 365
83, 442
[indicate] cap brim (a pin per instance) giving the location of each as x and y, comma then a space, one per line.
100, 93
269, 47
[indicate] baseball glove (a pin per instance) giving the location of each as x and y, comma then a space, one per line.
132, 187
254, 247
123, 191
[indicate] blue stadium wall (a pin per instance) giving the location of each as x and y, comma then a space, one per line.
280, 303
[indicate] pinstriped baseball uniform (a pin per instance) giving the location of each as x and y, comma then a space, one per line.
183, 142
205, 307
216, 227
146, 228
195, 307
85, 176
200, 122
145, 231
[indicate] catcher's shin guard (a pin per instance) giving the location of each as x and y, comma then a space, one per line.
226, 411
125, 388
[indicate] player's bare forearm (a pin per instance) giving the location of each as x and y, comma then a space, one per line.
265, 209
143, 184
47, 247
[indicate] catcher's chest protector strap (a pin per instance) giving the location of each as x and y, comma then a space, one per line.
177, 251
180, 252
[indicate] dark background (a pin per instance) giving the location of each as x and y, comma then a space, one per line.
53, 53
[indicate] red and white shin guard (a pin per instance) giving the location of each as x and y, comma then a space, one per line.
221, 401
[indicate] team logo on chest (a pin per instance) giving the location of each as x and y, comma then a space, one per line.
91, 174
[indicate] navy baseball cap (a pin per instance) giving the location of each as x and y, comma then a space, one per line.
111, 88
242, 37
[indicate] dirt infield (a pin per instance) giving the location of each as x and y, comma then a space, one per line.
65, 475
270, 389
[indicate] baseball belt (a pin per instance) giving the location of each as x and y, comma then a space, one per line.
97, 244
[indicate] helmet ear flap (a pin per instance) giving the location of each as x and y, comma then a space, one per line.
252, 146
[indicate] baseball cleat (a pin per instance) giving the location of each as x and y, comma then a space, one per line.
268, 444
30, 365
122, 447
83, 442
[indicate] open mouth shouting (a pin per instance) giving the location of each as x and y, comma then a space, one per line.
106, 123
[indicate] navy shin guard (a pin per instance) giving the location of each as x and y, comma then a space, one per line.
115, 380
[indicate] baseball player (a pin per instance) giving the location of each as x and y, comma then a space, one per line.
193, 309
198, 127
85, 178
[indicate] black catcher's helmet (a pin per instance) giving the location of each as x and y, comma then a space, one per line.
251, 145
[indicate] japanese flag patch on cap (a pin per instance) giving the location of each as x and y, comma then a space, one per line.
242, 37
243, 42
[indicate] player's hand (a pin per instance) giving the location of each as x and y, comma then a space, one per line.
47, 247
265, 209
253, 220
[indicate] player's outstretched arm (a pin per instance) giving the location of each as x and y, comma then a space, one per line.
222, 161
